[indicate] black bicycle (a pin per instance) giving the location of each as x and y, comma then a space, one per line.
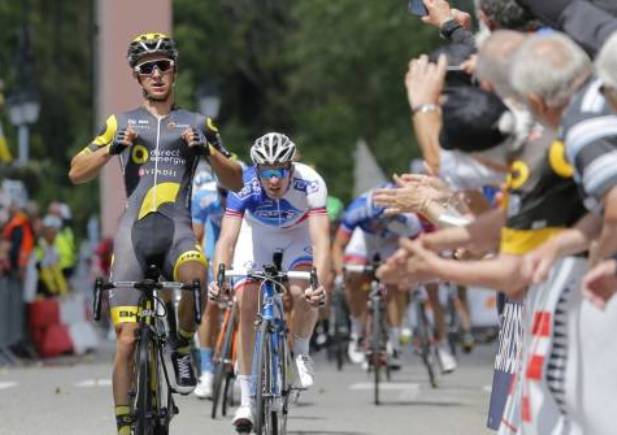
377, 325
151, 401
338, 327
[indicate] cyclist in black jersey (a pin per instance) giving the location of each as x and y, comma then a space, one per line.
159, 146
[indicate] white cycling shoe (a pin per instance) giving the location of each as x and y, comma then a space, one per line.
305, 371
446, 360
355, 350
243, 419
203, 390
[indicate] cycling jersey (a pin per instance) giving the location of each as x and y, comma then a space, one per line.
208, 211
158, 171
369, 217
272, 225
306, 194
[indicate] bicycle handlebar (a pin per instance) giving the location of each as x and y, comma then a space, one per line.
359, 268
145, 285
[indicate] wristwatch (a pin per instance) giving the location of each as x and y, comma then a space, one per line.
448, 28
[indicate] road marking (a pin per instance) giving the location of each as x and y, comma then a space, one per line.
7, 385
89, 383
386, 386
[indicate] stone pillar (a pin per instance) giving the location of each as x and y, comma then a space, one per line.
116, 90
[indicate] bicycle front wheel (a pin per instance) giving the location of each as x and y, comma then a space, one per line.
223, 359
266, 421
424, 336
142, 411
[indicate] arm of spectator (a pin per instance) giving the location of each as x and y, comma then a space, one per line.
424, 82
538, 263
583, 21
481, 235
440, 13
421, 264
607, 241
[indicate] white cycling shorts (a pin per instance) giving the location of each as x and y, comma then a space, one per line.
363, 246
256, 246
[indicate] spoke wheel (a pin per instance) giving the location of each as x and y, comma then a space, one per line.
143, 412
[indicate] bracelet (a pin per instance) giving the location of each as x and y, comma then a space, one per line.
425, 108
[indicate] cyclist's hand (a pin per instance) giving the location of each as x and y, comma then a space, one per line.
195, 139
315, 297
124, 138
214, 291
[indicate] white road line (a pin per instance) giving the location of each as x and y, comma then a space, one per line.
386, 386
7, 385
90, 383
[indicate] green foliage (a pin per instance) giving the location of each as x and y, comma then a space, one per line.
325, 72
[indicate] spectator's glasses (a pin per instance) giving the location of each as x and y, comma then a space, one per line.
269, 173
147, 68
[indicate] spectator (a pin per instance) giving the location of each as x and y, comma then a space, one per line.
65, 240
18, 232
46, 259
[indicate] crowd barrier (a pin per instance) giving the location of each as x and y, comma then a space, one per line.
12, 316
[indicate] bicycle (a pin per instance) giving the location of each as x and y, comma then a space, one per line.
272, 358
377, 325
151, 401
225, 356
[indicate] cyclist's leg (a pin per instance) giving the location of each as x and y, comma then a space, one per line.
123, 310
185, 263
396, 299
298, 256
447, 360
462, 310
356, 253
207, 332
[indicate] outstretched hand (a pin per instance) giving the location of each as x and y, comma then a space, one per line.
600, 284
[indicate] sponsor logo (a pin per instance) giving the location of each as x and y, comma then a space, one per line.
124, 314
163, 172
173, 125
300, 185
139, 154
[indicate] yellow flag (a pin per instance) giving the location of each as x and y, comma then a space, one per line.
5, 153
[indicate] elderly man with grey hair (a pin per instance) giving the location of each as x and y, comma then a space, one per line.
554, 77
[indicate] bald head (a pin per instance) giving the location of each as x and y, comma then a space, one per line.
495, 60
551, 67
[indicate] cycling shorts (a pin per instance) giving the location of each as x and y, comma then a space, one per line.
256, 245
155, 239
363, 246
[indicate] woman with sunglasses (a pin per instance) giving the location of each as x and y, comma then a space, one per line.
282, 207
159, 146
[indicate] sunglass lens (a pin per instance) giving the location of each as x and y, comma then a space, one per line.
147, 68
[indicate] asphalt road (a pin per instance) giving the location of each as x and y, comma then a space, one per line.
73, 396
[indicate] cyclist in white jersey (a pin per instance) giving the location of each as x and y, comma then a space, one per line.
282, 207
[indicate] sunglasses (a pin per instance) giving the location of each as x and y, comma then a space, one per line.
147, 68
279, 173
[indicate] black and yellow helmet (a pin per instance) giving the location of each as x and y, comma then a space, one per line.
148, 43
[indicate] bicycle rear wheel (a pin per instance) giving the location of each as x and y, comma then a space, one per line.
143, 413
224, 354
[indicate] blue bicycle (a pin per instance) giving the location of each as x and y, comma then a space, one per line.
271, 358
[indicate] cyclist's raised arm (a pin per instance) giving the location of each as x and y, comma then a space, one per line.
87, 164
228, 171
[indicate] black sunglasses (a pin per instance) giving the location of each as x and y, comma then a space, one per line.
147, 68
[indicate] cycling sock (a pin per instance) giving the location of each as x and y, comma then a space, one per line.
123, 419
245, 389
184, 341
205, 356
395, 337
301, 345
356, 326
